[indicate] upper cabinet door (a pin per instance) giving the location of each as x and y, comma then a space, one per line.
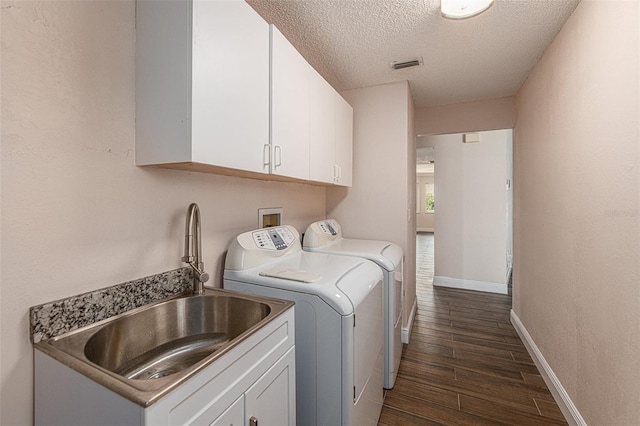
331, 152
230, 85
202, 84
290, 109
344, 141
163, 76
323, 124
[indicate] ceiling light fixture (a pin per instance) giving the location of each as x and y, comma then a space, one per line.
462, 9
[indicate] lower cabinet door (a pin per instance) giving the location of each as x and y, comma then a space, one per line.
271, 400
232, 416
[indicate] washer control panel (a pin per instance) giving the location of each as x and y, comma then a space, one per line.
261, 246
278, 238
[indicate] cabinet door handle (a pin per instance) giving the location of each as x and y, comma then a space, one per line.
339, 172
253, 421
277, 153
266, 155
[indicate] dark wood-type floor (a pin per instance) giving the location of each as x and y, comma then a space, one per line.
465, 364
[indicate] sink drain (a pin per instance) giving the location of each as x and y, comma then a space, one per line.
157, 374
172, 357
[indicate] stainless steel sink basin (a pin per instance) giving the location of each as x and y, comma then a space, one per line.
144, 353
186, 331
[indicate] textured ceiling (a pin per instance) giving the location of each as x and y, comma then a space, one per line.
353, 42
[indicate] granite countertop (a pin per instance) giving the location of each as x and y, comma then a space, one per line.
61, 316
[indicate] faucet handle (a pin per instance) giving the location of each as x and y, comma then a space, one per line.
200, 274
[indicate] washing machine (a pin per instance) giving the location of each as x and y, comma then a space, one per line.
325, 236
338, 325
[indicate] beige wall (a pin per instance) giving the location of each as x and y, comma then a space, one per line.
376, 207
577, 209
491, 114
76, 214
410, 227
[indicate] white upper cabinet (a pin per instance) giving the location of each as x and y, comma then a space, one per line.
323, 124
218, 91
344, 141
311, 124
290, 109
202, 84
331, 134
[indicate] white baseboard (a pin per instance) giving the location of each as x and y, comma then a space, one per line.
425, 230
470, 285
406, 331
569, 410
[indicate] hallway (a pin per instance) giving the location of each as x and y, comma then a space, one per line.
465, 364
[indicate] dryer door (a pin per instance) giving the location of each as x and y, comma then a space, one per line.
368, 358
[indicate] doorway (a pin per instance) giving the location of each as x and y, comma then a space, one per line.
472, 194
425, 189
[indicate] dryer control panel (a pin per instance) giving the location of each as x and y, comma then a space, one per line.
262, 246
322, 233
329, 227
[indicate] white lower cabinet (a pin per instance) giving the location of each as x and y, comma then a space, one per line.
233, 416
269, 402
252, 384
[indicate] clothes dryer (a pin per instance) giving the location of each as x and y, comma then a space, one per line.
325, 236
338, 326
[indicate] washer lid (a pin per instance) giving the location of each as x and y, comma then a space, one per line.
291, 274
344, 281
387, 255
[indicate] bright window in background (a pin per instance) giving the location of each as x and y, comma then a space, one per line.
418, 198
430, 205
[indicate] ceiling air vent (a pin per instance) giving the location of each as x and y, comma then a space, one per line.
406, 64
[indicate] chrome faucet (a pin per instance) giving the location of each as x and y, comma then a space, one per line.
193, 249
